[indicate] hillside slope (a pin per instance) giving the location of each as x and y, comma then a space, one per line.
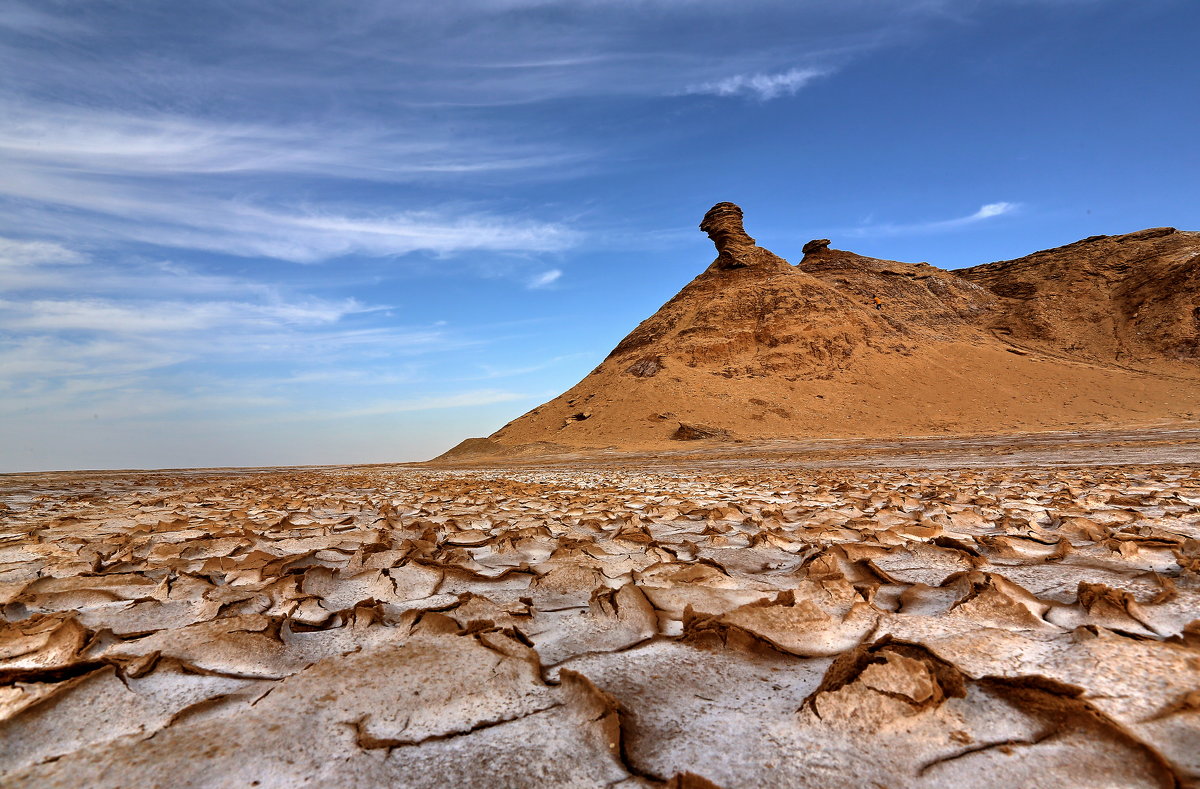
1101, 332
1129, 299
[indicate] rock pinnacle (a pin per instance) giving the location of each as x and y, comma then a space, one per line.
723, 224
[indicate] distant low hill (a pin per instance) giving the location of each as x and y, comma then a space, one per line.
1105, 331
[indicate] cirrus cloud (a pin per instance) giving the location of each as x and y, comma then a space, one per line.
545, 279
985, 212
763, 87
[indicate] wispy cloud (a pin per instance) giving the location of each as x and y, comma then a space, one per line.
35, 364
160, 317
545, 279
985, 212
124, 343
304, 233
104, 176
150, 143
16, 253
282, 145
760, 86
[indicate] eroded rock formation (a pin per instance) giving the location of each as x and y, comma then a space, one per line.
1105, 331
735, 247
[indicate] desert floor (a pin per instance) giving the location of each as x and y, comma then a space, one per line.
940, 612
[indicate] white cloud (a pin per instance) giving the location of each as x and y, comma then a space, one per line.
988, 211
545, 279
78, 370
760, 86
105, 211
108, 142
118, 340
985, 212
157, 317
105, 176
31, 362
16, 254
164, 279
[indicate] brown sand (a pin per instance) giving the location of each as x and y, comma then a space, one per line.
992, 611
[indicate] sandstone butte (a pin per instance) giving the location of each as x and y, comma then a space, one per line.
1099, 333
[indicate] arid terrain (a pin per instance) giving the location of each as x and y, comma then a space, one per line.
1015, 611
642, 394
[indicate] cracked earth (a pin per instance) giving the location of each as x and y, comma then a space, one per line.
539, 627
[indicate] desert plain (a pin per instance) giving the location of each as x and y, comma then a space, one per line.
1018, 612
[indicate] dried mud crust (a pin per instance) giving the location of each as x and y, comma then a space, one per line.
608, 627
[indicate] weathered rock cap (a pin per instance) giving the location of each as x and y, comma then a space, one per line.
816, 245
1148, 233
723, 224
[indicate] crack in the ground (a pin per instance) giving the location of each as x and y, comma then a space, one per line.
368, 742
1001, 745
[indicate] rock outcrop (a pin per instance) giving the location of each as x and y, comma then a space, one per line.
698, 432
735, 247
1130, 299
1101, 332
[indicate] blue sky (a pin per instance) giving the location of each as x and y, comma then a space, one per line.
338, 232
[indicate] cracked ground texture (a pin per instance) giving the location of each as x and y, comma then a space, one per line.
540, 627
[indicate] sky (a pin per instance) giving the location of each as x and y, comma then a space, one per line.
283, 233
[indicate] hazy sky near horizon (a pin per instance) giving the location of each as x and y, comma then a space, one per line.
354, 232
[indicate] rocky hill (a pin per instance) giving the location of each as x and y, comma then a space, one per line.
1102, 332
1130, 300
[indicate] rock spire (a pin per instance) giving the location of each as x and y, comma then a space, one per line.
723, 223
